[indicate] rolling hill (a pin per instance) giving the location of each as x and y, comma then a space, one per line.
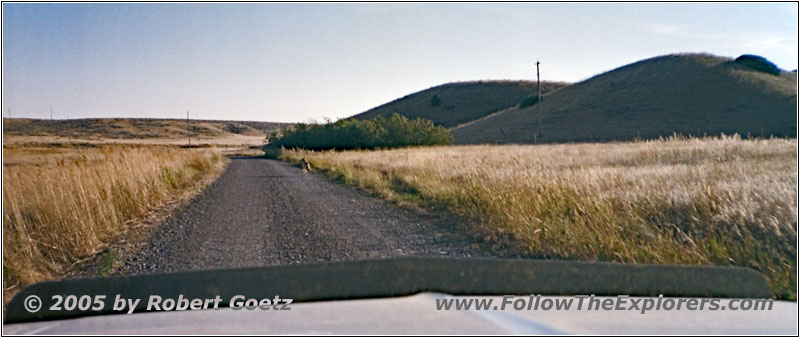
688, 94
460, 102
134, 129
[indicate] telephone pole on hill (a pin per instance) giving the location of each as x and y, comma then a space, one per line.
51, 113
69, 128
539, 87
188, 133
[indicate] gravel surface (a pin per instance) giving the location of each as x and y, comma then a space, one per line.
264, 212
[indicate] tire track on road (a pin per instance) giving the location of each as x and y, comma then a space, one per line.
264, 212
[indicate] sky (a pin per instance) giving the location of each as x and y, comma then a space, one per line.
297, 62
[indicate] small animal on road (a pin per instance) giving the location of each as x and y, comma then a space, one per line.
305, 165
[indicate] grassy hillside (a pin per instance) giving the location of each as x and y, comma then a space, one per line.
460, 102
688, 94
123, 128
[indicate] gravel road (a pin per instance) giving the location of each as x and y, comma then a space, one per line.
263, 212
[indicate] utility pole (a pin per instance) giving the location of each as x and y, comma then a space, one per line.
539, 87
188, 133
51, 113
69, 129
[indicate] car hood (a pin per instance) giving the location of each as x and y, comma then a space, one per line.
417, 314
374, 295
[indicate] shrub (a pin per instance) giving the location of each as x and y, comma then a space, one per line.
529, 101
436, 101
235, 128
396, 131
758, 63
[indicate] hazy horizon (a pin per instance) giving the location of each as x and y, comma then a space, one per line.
294, 62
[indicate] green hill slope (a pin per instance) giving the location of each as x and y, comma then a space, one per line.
688, 94
460, 102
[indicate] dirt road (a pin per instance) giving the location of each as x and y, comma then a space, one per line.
263, 212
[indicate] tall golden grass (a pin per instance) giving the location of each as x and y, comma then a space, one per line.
64, 204
710, 201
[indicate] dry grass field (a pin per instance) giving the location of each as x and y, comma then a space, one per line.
230, 134
229, 141
710, 201
62, 204
133, 129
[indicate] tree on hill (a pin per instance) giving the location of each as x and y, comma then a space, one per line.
529, 101
436, 101
758, 63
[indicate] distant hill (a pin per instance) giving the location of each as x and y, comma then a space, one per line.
460, 102
688, 94
129, 128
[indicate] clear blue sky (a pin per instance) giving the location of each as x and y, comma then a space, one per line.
292, 62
